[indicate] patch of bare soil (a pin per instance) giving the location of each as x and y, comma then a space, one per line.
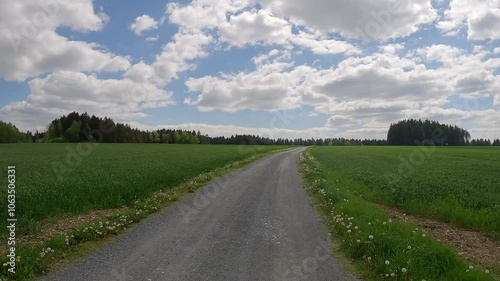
474, 246
51, 228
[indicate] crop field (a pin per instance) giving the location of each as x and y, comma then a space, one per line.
54, 180
459, 185
350, 185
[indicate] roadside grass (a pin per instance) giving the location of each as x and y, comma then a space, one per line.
380, 249
450, 184
37, 259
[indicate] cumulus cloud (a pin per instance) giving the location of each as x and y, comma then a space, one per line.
481, 18
143, 23
239, 26
176, 57
363, 19
31, 45
272, 86
65, 91
251, 27
341, 121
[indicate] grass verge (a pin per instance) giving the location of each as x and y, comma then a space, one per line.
33, 260
381, 249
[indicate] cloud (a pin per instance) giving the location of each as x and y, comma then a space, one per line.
341, 121
238, 25
365, 133
152, 38
25, 24
176, 57
143, 23
229, 130
378, 20
272, 86
202, 14
321, 46
251, 27
63, 92
480, 17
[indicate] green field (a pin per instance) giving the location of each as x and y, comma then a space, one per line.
110, 176
459, 185
349, 185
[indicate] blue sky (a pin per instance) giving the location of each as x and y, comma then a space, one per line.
321, 68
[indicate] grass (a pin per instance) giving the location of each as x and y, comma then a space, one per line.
458, 185
380, 249
37, 259
110, 176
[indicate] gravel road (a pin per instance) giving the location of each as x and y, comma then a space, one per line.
254, 224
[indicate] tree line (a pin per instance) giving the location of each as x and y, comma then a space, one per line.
11, 134
416, 132
76, 127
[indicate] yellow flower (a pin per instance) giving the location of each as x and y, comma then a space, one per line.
4, 264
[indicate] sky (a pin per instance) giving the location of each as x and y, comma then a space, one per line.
275, 68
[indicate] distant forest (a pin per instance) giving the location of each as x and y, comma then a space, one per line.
418, 132
76, 127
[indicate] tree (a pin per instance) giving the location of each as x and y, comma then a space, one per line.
156, 137
72, 134
417, 132
164, 138
51, 132
177, 137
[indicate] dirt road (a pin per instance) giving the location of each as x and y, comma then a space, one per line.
254, 224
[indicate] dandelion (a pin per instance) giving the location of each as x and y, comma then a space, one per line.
387, 263
486, 271
471, 267
384, 223
403, 270
358, 241
4, 264
369, 258
371, 236
409, 247
393, 274
349, 231
423, 235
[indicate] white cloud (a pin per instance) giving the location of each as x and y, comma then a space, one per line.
240, 27
251, 27
63, 92
152, 38
176, 57
143, 23
365, 133
31, 45
481, 18
365, 19
323, 46
341, 121
202, 14
229, 130
485, 133
272, 86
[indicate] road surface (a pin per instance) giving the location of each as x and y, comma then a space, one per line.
254, 224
